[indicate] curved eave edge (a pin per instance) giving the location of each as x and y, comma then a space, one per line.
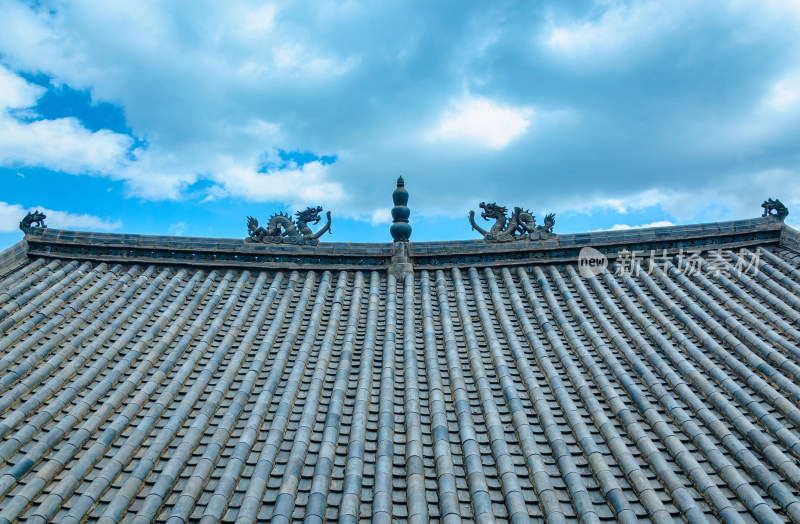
53, 243
13, 257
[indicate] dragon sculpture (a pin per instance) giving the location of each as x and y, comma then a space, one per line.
520, 225
33, 222
774, 208
504, 228
281, 229
527, 224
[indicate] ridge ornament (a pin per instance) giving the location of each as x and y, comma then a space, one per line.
281, 229
520, 225
775, 209
33, 222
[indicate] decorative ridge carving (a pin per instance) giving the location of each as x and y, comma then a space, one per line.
33, 222
775, 209
520, 225
281, 229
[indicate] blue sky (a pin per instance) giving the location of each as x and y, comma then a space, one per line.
147, 117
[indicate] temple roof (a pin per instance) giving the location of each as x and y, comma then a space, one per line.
185, 379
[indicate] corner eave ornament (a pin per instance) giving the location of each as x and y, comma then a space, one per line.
33, 222
281, 229
774, 209
520, 225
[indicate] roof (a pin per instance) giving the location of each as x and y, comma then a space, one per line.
180, 379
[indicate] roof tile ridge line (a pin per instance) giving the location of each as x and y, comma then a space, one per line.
53, 234
33, 276
415, 469
285, 501
384, 457
738, 330
738, 483
58, 400
785, 294
19, 272
766, 294
189, 442
701, 480
64, 321
723, 378
638, 482
784, 265
611, 489
584, 506
89, 429
287, 493
57, 341
548, 500
53, 385
25, 326
209, 460
749, 318
199, 348
443, 458
476, 480
19, 301
23, 272
320, 485
354, 464
753, 360
13, 257
773, 273
790, 238
89, 396
775, 398
728, 410
610, 391
67, 305
44, 300
251, 502
230, 476
147, 461
753, 305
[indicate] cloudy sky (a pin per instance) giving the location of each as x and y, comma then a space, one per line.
184, 117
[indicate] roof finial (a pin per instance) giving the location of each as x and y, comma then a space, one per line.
33, 222
774, 209
400, 230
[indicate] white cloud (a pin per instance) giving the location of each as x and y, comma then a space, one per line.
15, 92
784, 95
11, 214
622, 27
299, 186
62, 144
482, 122
178, 228
623, 227
622, 205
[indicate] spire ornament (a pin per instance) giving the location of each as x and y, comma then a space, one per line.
401, 229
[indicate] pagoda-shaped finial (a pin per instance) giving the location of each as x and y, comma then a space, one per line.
401, 230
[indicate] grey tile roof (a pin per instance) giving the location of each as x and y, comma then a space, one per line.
159, 391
